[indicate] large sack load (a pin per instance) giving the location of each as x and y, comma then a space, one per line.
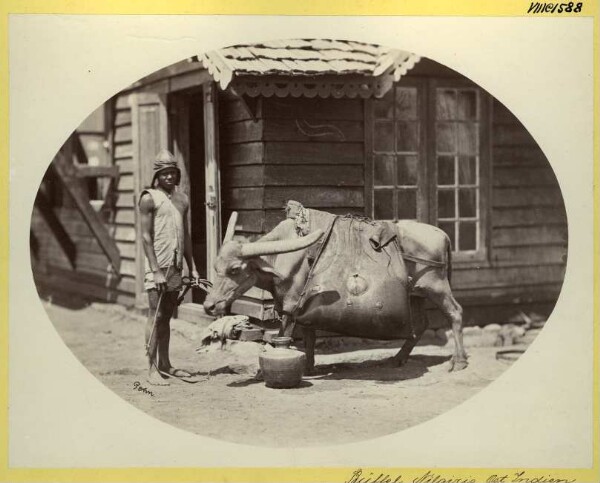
358, 283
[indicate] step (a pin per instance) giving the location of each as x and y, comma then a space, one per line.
194, 313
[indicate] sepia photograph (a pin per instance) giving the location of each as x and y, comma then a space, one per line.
349, 226
283, 243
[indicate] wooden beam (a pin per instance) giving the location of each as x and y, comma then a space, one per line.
67, 174
189, 80
42, 203
86, 171
180, 68
250, 105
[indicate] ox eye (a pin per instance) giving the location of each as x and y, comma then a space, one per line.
234, 270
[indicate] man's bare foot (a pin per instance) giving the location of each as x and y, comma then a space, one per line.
177, 372
156, 379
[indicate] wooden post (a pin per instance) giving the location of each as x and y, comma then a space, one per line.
213, 181
369, 208
44, 205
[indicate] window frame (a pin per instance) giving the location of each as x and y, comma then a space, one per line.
427, 211
422, 213
485, 127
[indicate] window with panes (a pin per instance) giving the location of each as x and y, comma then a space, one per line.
428, 161
396, 154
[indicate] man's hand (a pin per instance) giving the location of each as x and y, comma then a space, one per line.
196, 282
160, 280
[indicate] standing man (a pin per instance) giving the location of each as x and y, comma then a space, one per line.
166, 241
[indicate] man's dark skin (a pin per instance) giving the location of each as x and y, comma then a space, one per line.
166, 182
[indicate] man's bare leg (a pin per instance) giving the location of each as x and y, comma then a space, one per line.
164, 361
154, 334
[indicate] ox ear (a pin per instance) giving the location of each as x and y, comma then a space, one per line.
263, 266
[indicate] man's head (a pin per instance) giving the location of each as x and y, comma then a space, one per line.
166, 172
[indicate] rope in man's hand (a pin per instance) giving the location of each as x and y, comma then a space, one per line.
193, 282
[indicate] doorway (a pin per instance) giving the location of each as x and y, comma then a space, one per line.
186, 111
197, 189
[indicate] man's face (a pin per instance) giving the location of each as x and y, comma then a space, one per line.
168, 178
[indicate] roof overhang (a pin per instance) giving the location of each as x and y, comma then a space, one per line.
308, 69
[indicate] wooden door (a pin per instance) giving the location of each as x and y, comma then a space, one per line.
149, 123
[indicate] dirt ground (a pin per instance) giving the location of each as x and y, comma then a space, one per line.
355, 382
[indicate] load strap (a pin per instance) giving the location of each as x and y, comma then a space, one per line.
314, 264
424, 261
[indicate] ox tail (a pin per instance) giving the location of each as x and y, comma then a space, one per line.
449, 260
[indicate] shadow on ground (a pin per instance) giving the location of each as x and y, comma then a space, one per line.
386, 370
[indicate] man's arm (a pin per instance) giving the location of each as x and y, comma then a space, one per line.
187, 247
147, 222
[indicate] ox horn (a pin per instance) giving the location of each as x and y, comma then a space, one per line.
230, 227
258, 249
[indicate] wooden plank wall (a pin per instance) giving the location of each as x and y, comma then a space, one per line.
290, 151
310, 150
123, 226
528, 242
241, 154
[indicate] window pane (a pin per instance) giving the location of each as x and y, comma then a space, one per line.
407, 136
384, 108
449, 228
467, 105
407, 204
383, 136
383, 204
406, 103
407, 170
446, 137
383, 170
467, 138
445, 170
467, 170
446, 104
466, 203
467, 238
446, 204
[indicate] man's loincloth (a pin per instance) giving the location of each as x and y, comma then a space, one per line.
173, 277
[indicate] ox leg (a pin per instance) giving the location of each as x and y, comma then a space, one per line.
287, 326
420, 324
455, 312
437, 289
310, 337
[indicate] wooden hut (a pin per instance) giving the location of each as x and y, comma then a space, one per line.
341, 126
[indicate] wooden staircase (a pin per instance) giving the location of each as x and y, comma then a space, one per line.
68, 168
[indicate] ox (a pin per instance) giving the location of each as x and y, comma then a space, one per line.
333, 280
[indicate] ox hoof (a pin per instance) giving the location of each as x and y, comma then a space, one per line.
399, 361
457, 365
309, 371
